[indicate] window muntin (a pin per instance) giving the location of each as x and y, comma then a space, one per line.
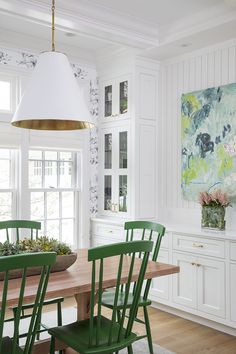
51, 169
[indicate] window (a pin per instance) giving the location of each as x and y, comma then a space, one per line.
54, 192
7, 185
52, 196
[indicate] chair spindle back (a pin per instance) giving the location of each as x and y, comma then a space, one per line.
22, 262
126, 252
34, 227
149, 229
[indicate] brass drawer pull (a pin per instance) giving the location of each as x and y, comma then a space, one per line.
197, 245
195, 264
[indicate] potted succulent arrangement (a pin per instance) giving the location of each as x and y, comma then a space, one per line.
213, 209
65, 256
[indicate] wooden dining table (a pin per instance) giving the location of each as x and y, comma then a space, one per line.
76, 281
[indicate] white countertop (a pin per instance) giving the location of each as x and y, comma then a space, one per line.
177, 228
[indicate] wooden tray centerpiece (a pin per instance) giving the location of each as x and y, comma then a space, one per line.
65, 257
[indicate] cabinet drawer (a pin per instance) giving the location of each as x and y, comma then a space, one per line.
233, 251
109, 231
199, 245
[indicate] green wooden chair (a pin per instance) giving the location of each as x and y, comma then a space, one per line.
33, 227
9, 345
148, 230
98, 334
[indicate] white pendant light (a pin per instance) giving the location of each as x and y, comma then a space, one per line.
52, 100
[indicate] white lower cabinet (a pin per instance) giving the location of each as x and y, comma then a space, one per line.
160, 285
233, 292
200, 284
211, 286
206, 283
185, 283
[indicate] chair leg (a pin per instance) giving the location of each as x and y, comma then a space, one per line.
130, 350
52, 345
118, 316
148, 329
38, 329
59, 320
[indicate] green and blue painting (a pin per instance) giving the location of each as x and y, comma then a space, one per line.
209, 141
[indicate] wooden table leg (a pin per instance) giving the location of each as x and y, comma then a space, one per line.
83, 301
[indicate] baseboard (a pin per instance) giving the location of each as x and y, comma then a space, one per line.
188, 316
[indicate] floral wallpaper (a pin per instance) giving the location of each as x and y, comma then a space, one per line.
28, 61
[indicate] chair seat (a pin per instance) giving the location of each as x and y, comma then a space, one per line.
7, 347
76, 336
108, 300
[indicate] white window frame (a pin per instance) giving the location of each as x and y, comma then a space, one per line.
13, 179
75, 188
6, 115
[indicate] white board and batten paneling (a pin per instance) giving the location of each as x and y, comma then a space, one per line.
204, 68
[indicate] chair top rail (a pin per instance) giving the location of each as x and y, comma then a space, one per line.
148, 225
24, 224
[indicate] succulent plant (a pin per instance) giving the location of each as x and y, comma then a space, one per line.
41, 244
7, 248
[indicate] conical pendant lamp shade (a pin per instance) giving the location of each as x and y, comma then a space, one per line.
53, 100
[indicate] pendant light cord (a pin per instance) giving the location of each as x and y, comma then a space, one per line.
53, 25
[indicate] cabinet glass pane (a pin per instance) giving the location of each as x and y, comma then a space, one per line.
123, 149
108, 151
108, 101
123, 97
107, 192
123, 193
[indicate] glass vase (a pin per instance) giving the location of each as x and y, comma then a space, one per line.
213, 217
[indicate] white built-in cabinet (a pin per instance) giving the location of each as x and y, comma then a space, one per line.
114, 169
127, 138
200, 284
232, 271
115, 103
206, 284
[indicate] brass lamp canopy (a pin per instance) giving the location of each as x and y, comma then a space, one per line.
53, 100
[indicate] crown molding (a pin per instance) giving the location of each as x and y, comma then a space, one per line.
86, 19
118, 32
199, 22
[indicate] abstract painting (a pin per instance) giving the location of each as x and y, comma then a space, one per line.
209, 141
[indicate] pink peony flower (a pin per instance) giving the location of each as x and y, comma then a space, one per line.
217, 197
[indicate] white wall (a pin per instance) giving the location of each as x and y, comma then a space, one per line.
204, 68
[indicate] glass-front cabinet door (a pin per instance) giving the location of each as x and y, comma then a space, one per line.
115, 99
108, 101
123, 97
123, 165
115, 171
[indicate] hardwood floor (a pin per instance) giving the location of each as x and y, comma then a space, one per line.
183, 336
186, 337
179, 335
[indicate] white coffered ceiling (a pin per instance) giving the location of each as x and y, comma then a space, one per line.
154, 28
158, 12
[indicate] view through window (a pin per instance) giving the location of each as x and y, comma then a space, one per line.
52, 191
